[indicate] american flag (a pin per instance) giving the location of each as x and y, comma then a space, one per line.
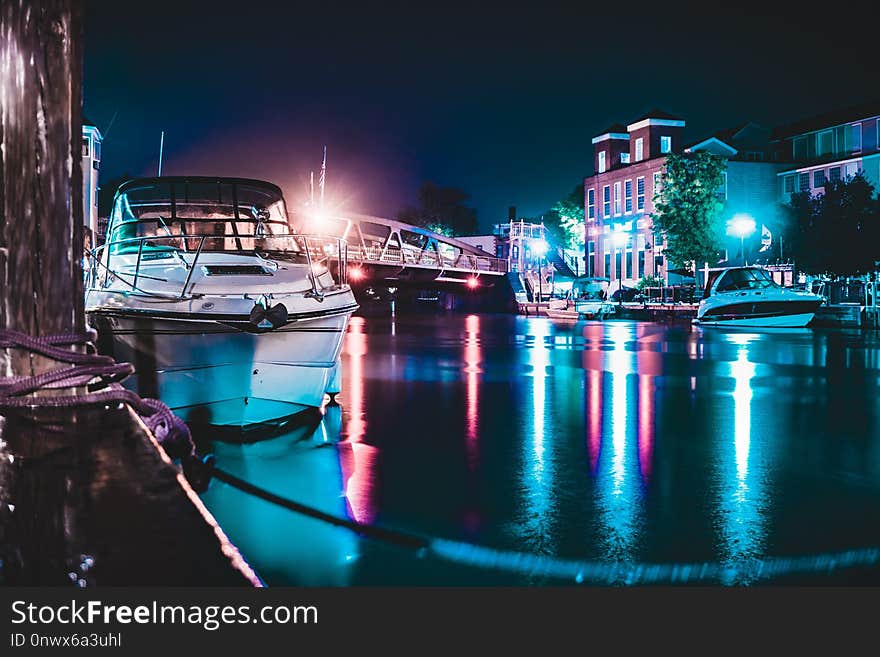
323, 177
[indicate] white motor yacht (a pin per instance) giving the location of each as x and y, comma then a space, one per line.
587, 299
747, 296
228, 316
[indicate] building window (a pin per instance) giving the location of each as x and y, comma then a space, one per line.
85, 147
591, 258
607, 263
629, 260
788, 184
804, 182
834, 174
721, 192
826, 142
606, 201
624, 158
640, 149
852, 168
640, 193
856, 137
591, 204
618, 263
657, 182
616, 199
804, 148
818, 178
641, 264
601, 161
628, 196
665, 144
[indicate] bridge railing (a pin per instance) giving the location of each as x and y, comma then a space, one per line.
463, 262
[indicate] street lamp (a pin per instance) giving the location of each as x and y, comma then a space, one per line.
741, 225
539, 248
620, 238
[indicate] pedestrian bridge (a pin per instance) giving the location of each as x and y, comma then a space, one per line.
381, 249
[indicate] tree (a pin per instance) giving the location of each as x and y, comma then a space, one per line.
570, 213
441, 209
649, 281
837, 231
688, 207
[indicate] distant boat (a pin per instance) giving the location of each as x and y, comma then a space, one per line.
749, 297
587, 299
228, 317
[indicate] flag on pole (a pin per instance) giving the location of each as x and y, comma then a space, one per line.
766, 238
323, 177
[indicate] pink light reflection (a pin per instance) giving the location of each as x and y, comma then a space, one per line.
648, 367
472, 358
593, 361
357, 459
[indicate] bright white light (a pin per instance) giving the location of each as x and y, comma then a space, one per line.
540, 247
741, 225
620, 238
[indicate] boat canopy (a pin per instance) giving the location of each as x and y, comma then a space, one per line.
738, 278
180, 210
589, 287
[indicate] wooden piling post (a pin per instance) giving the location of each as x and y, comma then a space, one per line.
41, 223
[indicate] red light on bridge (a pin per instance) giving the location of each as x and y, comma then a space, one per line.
356, 274
472, 282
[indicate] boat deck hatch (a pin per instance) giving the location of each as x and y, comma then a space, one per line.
235, 270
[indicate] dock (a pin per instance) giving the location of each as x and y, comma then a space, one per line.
838, 315
90, 498
87, 494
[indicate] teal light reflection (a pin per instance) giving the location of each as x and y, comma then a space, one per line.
741, 478
297, 466
537, 468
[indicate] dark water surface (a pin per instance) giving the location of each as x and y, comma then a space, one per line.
608, 442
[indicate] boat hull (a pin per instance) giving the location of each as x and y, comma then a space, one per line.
798, 320
210, 372
579, 310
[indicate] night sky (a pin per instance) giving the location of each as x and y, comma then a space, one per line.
500, 101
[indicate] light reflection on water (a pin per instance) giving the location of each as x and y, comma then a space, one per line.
742, 493
618, 441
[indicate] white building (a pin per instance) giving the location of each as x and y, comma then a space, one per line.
91, 161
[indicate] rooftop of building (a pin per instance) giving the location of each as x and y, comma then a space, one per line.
656, 113
618, 128
828, 119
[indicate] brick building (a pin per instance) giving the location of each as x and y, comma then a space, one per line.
628, 161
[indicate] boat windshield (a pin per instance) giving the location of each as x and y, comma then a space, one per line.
744, 279
589, 288
235, 216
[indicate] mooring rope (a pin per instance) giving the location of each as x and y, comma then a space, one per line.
101, 374
577, 571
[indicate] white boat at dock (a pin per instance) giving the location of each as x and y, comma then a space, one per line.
749, 297
585, 299
228, 316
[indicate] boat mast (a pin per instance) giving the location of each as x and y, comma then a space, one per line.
161, 146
